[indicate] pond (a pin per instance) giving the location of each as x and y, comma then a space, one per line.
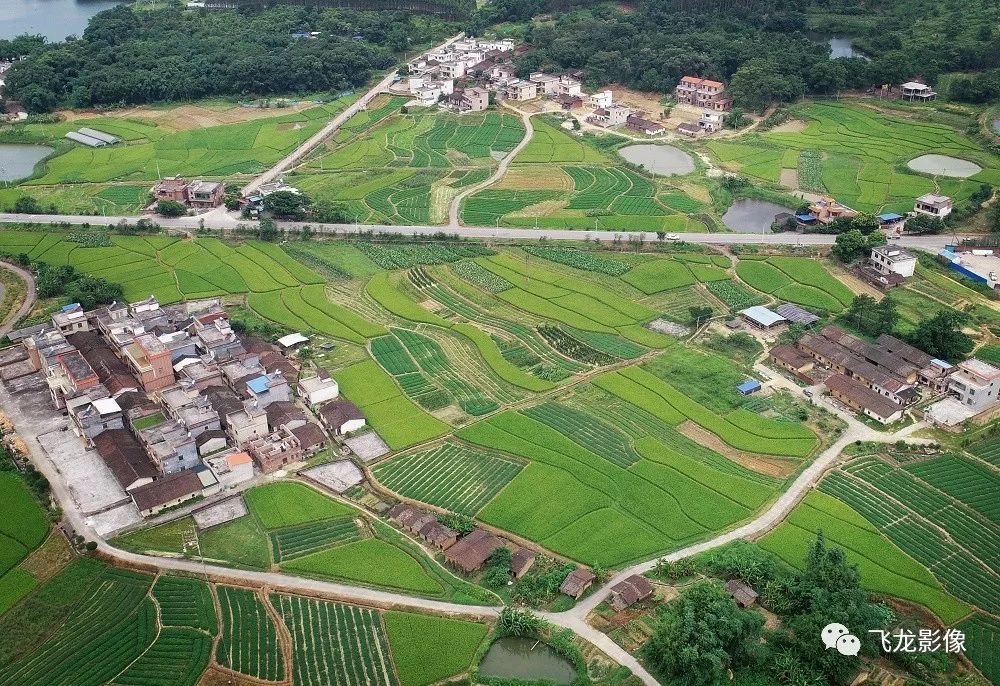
526, 658
54, 19
665, 160
748, 215
840, 46
996, 125
943, 165
18, 161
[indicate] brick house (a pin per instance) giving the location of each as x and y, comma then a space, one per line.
275, 451
704, 93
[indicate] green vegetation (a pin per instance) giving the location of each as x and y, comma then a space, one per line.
284, 504
454, 477
185, 602
177, 658
884, 567
428, 649
982, 644
249, 639
660, 275
799, 280
370, 561
23, 527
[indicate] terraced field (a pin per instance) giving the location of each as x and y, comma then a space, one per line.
559, 181
249, 641
858, 155
799, 280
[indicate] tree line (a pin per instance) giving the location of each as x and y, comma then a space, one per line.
126, 57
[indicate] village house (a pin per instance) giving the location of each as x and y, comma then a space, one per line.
689, 129
211, 441
914, 90
274, 451
613, 115
567, 85
471, 99
630, 591
472, 551
149, 361
246, 424
887, 259
169, 491
577, 583
547, 84
318, 388
70, 319
861, 398
70, 376
636, 122
519, 90
602, 99
231, 469
198, 193
285, 413
266, 389
169, 447
341, 416
891, 223
937, 206
311, 438
825, 210
521, 561
932, 372
93, 417
125, 458
792, 360
568, 102
741, 593
976, 384
710, 121
704, 93
171, 188
198, 374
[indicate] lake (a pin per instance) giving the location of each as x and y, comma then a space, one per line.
54, 19
18, 161
840, 46
748, 215
664, 160
943, 165
526, 658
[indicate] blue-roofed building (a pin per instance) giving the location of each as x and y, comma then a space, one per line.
71, 319
806, 218
749, 386
891, 221
268, 388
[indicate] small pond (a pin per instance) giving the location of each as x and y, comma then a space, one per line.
996, 125
942, 165
665, 160
840, 46
526, 658
748, 215
18, 161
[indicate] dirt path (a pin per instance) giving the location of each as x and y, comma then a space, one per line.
29, 298
454, 210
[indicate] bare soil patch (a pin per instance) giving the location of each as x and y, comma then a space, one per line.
49, 558
551, 178
790, 178
648, 102
187, 117
791, 126
762, 464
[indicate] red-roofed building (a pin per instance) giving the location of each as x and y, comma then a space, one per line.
703, 93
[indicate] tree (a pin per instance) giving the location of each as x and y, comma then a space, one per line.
941, 336
268, 229
330, 212
26, 204
91, 292
736, 119
849, 245
287, 205
171, 208
701, 635
761, 81
993, 217
699, 313
515, 622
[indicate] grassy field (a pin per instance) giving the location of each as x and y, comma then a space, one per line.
859, 156
151, 149
884, 567
23, 527
800, 280
428, 649
90, 198
284, 504
577, 496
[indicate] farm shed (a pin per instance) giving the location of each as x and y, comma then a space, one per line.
793, 360
796, 314
578, 581
100, 135
762, 317
521, 562
630, 591
438, 535
471, 553
741, 592
749, 386
291, 340
90, 141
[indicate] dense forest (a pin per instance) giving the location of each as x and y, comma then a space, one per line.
127, 57
767, 49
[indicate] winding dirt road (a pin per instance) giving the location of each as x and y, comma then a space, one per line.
29, 298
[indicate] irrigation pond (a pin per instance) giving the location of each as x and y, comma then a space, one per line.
664, 160
17, 160
749, 215
526, 658
943, 165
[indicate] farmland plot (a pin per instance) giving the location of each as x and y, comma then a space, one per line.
964, 480
982, 634
249, 643
304, 539
427, 648
185, 602
884, 567
452, 476
177, 658
335, 643
799, 280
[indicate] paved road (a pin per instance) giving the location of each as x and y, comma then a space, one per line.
454, 209
29, 298
296, 155
218, 220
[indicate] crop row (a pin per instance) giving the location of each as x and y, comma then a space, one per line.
571, 347
249, 640
586, 261
451, 476
185, 602
335, 643
406, 255
178, 657
308, 538
733, 294
477, 275
982, 644
603, 439
973, 484
987, 449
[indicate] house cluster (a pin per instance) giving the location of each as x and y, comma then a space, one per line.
449, 74
879, 380
197, 194
709, 96
826, 209
174, 401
